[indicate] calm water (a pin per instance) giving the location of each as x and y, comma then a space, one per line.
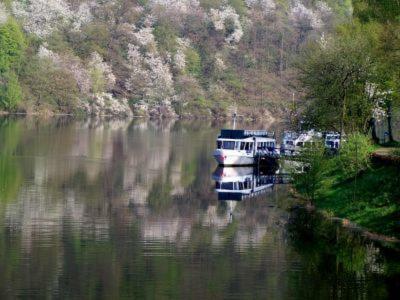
108, 209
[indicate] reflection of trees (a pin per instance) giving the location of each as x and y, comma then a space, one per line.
347, 264
121, 209
10, 175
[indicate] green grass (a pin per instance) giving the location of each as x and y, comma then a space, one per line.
371, 200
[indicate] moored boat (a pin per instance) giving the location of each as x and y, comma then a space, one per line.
242, 147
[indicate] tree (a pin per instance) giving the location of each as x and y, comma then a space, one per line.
10, 91
334, 73
12, 44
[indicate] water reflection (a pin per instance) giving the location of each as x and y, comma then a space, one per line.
114, 209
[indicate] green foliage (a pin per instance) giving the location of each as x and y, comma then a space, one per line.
165, 36
354, 155
46, 84
193, 62
10, 91
313, 161
12, 44
381, 10
98, 80
207, 4
94, 37
239, 6
334, 75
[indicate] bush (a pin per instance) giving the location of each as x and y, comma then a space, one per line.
193, 62
48, 84
12, 44
354, 155
313, 161
10, 91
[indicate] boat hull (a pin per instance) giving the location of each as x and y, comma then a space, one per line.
226, 158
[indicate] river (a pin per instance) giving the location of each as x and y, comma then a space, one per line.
128, 209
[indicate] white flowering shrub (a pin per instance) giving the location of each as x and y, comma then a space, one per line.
267, 6
180, 56
70, 64
219, 63
180, 7
3, 14
220, 17
144, 36
101, 73
41, 17
301, 15
150, 77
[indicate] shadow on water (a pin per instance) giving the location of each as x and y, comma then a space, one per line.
113, 209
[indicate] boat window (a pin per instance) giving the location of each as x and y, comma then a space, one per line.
251, 145
217, 185
227, 185
260, 146
241, 187
300, 144
237, 145
228, 145
289, 143
219, 144
247, 147
242, 145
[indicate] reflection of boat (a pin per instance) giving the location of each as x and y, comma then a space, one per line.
244, 182
242, 147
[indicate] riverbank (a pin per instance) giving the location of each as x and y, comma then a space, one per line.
370, 199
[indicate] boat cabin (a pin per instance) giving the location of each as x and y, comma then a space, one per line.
240, 147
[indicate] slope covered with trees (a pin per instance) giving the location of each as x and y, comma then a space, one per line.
157, 57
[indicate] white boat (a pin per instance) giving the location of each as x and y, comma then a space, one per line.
241, 147
332, 140
293, 142
240, 183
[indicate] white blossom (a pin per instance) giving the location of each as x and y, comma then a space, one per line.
219, 63
300, 14
73, 65
220, 16
144, 36
181, 7
3, 14
82, 16
96, 63
180, 59
45, 53
267, 6
150, 76
41, 17
323, 8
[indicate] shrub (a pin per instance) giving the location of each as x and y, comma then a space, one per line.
354, 155
10, 91
12, 44
313, 161
193, 62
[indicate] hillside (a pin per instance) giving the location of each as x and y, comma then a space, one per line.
157, 57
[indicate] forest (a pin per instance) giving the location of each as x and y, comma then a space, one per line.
159, 58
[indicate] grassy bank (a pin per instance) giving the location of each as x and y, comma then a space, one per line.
367, 194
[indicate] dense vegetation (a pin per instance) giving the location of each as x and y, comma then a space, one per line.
351, 77
157, 57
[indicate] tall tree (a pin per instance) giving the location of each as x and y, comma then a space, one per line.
334, 73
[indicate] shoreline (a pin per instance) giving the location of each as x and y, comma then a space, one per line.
370, 234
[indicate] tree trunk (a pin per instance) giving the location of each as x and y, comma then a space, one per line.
389, 121
343, 116
372, 126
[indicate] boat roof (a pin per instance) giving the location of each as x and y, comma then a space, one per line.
242, 133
